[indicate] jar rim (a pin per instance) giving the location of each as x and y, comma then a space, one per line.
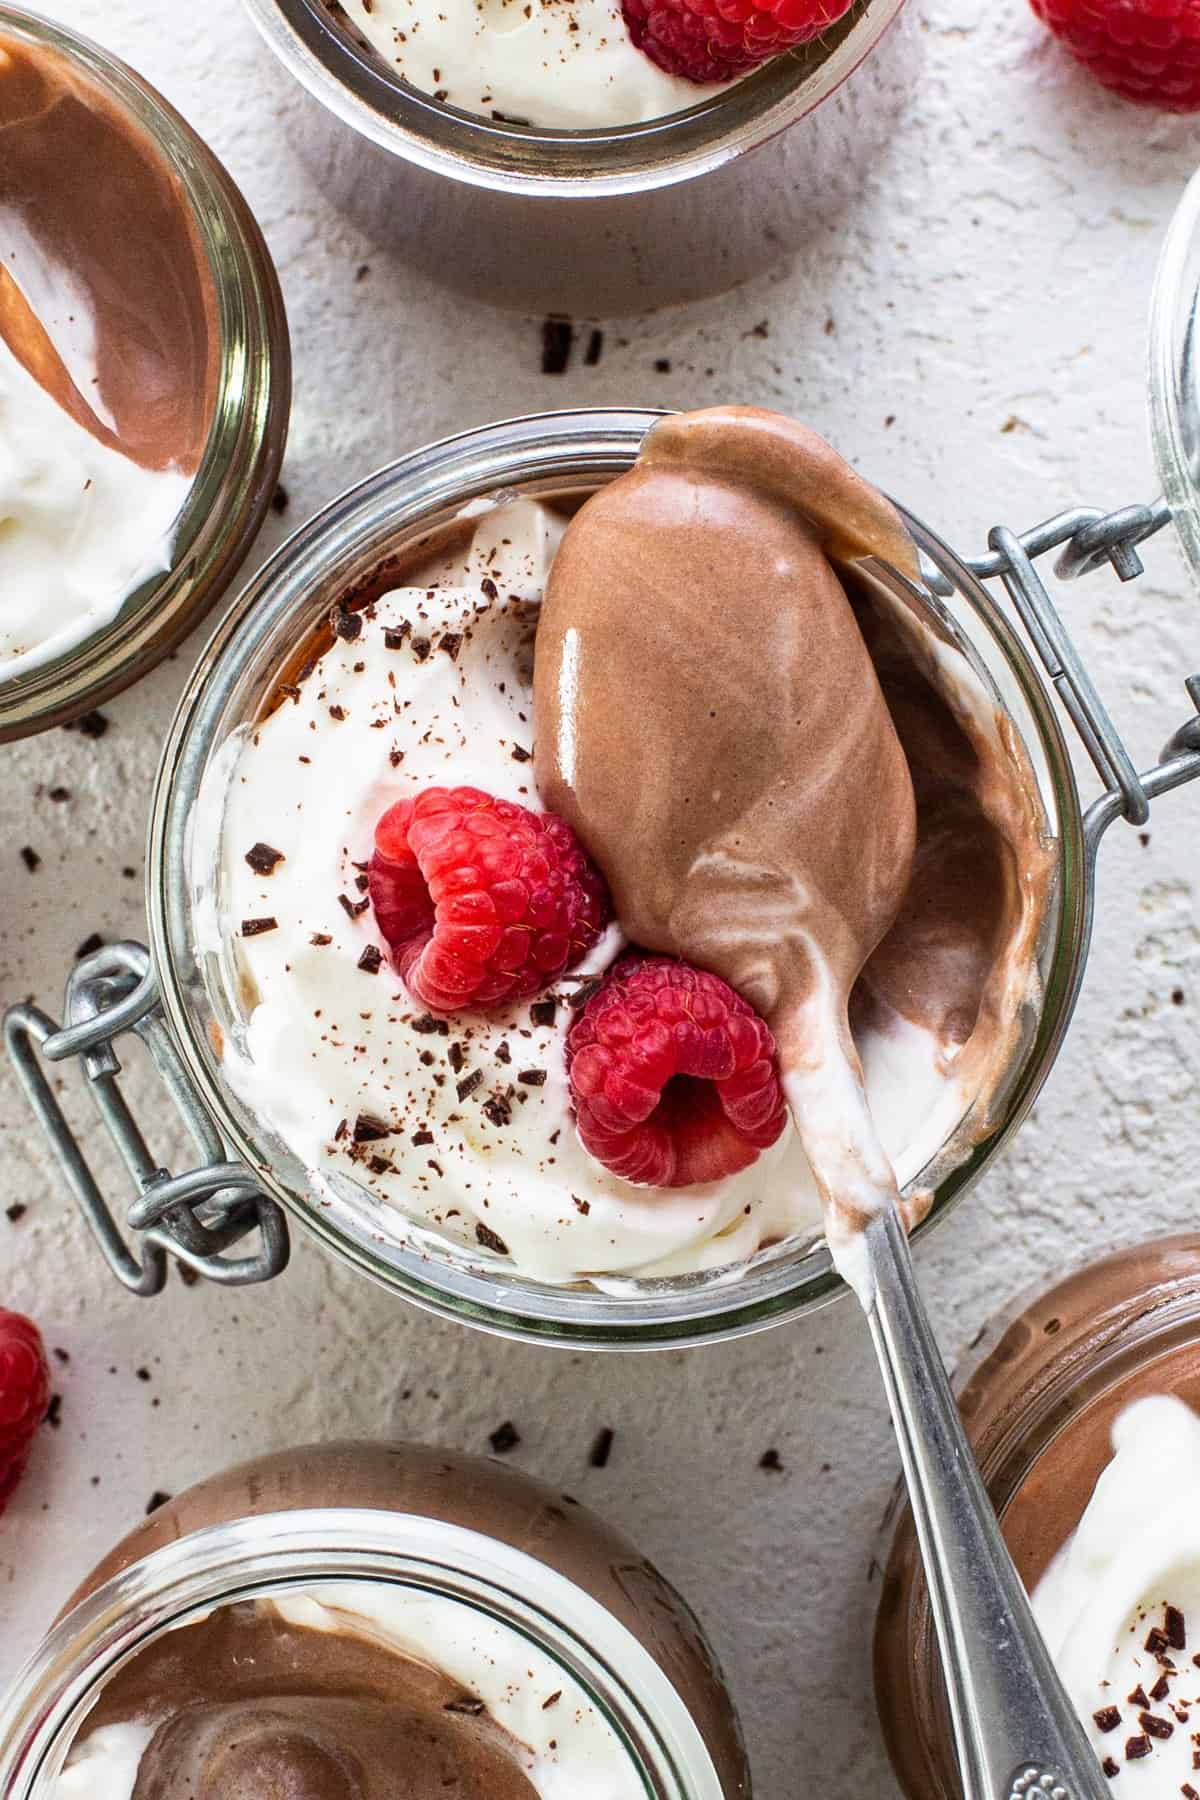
238, 470
252, 1556
598, 163
569, 445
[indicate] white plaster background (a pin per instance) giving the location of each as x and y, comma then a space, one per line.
988, 294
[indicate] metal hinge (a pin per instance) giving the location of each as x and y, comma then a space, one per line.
195, 1217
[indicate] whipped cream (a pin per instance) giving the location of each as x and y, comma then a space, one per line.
568, 1750
81, 526
479, 1145
567, 64
1135, 1554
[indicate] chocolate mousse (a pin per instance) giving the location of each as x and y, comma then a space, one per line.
744, 608
109, 353
246, 1706
115, 258
389, 1689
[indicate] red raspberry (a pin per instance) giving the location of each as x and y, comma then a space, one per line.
481, 901
1148, 50
673, 1075
24, 1396
714, 40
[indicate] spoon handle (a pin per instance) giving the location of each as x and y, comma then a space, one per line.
1016, 1732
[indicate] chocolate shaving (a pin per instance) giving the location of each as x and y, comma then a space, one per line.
582, 1206
1139, 1696
602, 1448
532, 1077
371, 960
506, 1437
489, 589
1136, 1747
543, 1012
558, 335
30, 858
352, 908
491, 1240
95, 942
256, 927
469, 1704
553, 1700
368, 1129
451, 643
345, 624
771, 1461
520, 754
262, 859
393, 638
498, 1110
16, 1212
422, 1137
1156, 1727
1110, 1767
421, 647
319, 938
338, 713
1107, 1719
454, 1056
1161, 1688
1176, 1628
426, 1022
1156, 1641
469, 1083
583, 994
158, 1498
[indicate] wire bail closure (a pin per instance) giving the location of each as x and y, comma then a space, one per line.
195, 1217
1087, 538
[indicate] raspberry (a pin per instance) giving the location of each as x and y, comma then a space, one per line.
673, 1075
1147, 50
714, 40
482, 902
24, 1396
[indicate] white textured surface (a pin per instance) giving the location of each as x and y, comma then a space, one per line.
973, 337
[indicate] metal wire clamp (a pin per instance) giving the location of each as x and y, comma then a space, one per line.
1087, 538
195, 1217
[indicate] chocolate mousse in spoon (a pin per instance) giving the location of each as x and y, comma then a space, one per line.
710, 721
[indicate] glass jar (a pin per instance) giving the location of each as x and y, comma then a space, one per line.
239, 468
1038, 1398
605, 221
517, 1553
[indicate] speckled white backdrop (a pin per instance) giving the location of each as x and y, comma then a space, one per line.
973, 336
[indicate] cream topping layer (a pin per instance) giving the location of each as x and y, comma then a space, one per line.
567, 64
1135, 1554
81, 526
480, 1146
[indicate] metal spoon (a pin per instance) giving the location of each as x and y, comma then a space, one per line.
1015, 1730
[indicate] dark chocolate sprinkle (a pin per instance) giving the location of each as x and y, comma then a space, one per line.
421, 647
368, 1129
262, 858
469, 1704
59, 794
30, 858
92, 724
558, 335
532, 1077
451, 643
320, 938
553, 1700
602, 1448
498, 1110
469, 1083
583, 994
89, 945
158, 1498
491, 1240
371, 960
426, 1022
256, 927
394, 637
345, 624
1176, 1628
595, 348
454, 1056
506, 1437
543, 1012
54, 1412
352, 907
771, 1461
520, 754
16, 1212
422, 1137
